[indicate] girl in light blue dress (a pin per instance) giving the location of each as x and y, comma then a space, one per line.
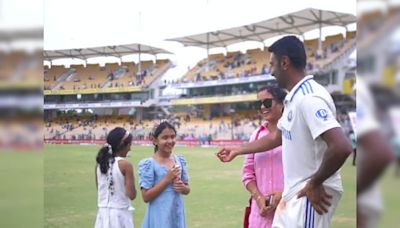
163, 181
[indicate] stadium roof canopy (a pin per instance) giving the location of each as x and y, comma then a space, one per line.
115, 51
293, 23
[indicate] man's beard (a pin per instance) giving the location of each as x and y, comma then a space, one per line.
281, 82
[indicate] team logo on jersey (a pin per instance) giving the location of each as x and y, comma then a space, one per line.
322, 114
290, 116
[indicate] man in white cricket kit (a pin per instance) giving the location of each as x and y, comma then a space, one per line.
314, 146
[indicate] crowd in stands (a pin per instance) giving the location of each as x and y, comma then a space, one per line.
78, 77
190, 126
255, 62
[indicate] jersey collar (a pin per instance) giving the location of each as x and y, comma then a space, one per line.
289, 97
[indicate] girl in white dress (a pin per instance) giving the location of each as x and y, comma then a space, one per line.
115, 181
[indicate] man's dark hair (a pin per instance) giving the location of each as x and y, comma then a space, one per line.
291, 47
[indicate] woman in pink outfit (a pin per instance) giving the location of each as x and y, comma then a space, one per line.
262, 173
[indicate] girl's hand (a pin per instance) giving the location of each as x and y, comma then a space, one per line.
179, 186
173, 173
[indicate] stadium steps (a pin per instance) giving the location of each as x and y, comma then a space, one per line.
118, 74
165, 110
154, 81
62, 78
337, 59
385, 30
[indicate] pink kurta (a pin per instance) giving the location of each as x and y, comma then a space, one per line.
266, 170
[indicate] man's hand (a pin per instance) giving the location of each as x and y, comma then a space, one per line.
317, 196
227, 154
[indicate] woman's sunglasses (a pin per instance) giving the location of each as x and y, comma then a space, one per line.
266, 102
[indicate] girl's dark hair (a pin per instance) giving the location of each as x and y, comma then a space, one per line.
157, 131
277, 93
114, 139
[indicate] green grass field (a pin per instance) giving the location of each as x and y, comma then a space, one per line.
390, 186
21, 189
217, 198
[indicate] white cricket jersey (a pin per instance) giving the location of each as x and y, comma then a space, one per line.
309, 111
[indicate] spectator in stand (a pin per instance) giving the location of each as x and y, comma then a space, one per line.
209, 139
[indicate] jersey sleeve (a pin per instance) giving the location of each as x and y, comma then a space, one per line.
318, 115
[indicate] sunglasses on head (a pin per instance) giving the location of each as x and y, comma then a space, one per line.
266, 102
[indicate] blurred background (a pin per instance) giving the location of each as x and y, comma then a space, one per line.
378, 75
21, 111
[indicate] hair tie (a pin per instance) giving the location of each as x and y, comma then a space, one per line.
125, 135
109, 148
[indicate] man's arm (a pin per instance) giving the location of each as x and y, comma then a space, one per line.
339, 148
377, 154
268, 142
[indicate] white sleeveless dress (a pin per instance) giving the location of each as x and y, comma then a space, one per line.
114, 206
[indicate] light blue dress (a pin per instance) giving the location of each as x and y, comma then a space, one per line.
167, 210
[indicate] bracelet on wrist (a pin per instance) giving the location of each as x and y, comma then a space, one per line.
256, 196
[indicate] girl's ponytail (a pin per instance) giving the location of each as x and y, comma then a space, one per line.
104, 156
117, 138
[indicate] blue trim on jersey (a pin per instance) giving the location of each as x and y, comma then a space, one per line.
305, 224
305, 86
310, 212
309, 84
302, 90
300, 87
312, 216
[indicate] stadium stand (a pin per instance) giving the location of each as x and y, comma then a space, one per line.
79, 77
256, 61
219, 88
